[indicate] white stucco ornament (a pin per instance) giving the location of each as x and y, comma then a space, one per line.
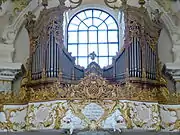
115, 122
4, 7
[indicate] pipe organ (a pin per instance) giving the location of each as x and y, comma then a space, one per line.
138, 59
136, 62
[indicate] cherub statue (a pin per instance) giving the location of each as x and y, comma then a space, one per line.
69, 124
29, 21
156, 16
62, 2
22, 93
116, 119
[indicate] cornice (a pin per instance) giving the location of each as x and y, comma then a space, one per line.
173, 69
8, 71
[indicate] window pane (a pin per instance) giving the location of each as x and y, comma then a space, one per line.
103, 16
82, 61
82, 26
73, 27
113, 48
96, 13
81, 16
88, 22
102, 36
83, 37
75, 20
103, 50
112, 26
76, 61
102, 27
97, 22
112, 36
88, 13
103, 61
110, 20
110, 60
93, 47
73, 49
82, 50
72, 37
92, 36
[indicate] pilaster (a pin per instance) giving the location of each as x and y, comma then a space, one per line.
6, 52
176, 52
8, 69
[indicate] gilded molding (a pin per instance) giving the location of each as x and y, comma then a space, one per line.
91, 87
1, 107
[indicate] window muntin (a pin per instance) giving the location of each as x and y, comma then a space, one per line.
93, 30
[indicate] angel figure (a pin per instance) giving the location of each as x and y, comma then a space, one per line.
116, 119
29, 18
156, 16
62, 2
22, 93
60, 111
69, 124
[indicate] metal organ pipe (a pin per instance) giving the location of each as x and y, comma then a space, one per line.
134, 55
135, 58
132, 58
120, 67
33, 65
138, 58
36, 64
56, 59
152, 62
49, 56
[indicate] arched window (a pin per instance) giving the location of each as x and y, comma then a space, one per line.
93, 32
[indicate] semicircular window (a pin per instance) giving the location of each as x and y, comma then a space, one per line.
93, 35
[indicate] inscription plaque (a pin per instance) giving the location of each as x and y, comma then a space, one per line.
93, 111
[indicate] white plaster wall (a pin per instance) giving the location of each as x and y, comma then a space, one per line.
16, 85
165, 47
21, 47
21, 53
3, 23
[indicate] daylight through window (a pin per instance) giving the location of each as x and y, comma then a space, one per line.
93, 35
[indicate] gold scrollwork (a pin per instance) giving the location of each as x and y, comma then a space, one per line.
1, 107
60, 111
125, 111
